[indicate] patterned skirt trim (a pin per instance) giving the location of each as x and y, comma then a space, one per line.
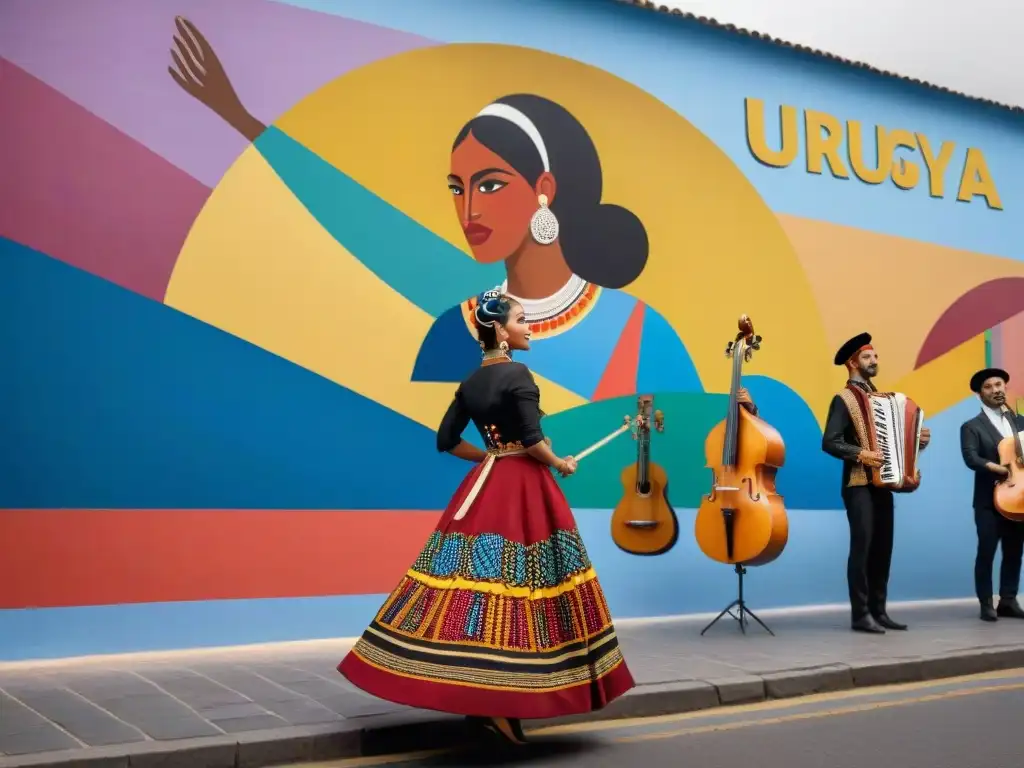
497, 588
488, 668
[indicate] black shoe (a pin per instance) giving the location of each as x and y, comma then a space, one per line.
507, 729
988, 613
868, 624
1010, 609
884, 620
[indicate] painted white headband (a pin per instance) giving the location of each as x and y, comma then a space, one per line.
526, 125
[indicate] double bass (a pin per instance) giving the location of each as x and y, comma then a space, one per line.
742, 521
644, 522
1009, 492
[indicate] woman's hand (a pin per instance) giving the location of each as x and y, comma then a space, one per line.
200, 75
567, 466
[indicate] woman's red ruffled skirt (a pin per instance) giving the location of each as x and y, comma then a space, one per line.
501, 615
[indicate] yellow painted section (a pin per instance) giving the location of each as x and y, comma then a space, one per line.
717, 251
257, 265
921, 281
942, 383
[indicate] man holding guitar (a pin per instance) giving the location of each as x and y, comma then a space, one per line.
869, 508
979, 443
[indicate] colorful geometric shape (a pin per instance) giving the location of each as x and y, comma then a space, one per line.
121, 402
981, 308
161, 555
111, 57
619, 377
81, 191
690, 239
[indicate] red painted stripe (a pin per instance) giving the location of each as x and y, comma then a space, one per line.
981, 308
67, 557
619, 376
79, 190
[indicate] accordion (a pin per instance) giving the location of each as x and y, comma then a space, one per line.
894, 423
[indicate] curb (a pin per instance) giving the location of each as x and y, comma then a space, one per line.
418, 730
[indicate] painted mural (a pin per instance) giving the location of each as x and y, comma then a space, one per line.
240, 251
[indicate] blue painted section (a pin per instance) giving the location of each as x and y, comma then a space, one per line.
810, 478
449, 352
112, 389
60, 632
722, 70
427, 270
665, 365
577, 358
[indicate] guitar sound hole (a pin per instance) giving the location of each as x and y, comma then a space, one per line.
643, 488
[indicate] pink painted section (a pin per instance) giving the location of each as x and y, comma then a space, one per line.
111, 56
1011, 353
81, 191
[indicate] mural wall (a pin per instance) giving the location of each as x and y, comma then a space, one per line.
238, 246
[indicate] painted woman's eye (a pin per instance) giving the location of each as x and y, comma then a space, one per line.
491, 185
455, 189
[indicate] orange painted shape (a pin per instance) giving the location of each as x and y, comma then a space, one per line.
68, 557
619, 377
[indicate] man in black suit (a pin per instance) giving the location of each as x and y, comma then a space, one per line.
869, 509
979, 441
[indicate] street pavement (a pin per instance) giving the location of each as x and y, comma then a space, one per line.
959, 723
272, 705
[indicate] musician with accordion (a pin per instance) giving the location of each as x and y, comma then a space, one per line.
878, 436
980, 437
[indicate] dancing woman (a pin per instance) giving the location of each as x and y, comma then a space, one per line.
501, 617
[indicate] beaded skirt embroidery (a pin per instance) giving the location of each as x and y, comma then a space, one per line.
501, 614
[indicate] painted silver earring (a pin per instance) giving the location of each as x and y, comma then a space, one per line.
544, 223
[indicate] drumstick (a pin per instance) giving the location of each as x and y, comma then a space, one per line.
603, 441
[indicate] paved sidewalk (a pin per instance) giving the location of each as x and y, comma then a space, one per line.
266, 706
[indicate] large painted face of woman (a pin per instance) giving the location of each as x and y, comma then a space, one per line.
493, 202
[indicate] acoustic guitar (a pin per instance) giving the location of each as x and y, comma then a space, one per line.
644, 522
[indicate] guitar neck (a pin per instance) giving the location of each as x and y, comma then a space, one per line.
643, 458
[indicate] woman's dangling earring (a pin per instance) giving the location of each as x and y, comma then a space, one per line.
544, 223
503, 346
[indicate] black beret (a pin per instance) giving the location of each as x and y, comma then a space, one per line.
978, 379
850, 348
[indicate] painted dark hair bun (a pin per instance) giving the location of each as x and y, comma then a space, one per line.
607, 245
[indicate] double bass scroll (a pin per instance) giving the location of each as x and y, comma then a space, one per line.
742, 521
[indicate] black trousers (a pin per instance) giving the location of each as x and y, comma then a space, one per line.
993, 530
870, 512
